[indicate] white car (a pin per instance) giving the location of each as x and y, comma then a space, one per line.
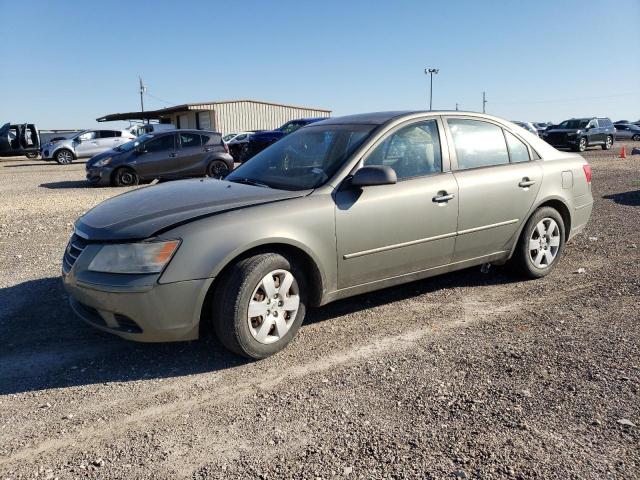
139, 130
84, 144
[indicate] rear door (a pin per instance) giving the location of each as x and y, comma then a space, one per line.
190, 154
498, 182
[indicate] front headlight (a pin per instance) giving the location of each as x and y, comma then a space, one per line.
103, 162
142, 257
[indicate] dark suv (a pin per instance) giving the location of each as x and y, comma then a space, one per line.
580, 133
166, 155
261, 140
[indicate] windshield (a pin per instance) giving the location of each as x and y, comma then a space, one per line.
130, 145
574, 124
303, 160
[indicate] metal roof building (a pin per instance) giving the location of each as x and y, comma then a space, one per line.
224, 116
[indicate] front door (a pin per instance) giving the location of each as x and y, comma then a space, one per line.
158, 158
391, 230
87, 144
498, 183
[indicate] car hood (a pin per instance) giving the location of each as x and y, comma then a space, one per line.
141, 213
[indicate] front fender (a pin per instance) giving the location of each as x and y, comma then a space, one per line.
212, 243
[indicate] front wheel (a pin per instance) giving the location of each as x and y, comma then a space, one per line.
541, 243
608, 143
125, 177
63, 157
259, 305
636, 137
217, 169
582, 145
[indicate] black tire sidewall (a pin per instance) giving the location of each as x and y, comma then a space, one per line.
580, 147
232, 303
526, 265
605, 146
210, 168
116, 177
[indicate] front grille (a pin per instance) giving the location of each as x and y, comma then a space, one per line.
74, 248
557, 138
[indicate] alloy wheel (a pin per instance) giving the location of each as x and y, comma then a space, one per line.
126, 178
544, 243
273, 306
583, 144
64, 157
609, 142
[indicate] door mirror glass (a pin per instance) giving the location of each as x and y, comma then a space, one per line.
374, 175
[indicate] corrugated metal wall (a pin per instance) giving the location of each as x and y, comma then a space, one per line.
244, 115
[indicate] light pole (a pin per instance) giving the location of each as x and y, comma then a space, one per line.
430, 72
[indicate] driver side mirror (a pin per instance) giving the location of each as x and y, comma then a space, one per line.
374, 175
141, 148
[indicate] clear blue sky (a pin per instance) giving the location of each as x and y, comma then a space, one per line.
66, 63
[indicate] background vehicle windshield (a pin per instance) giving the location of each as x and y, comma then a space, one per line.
305, 159
573, 124
130, 145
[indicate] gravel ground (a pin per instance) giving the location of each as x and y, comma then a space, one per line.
467, 375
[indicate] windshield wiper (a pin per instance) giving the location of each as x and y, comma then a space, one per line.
248, 181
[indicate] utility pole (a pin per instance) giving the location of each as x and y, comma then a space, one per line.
484, 102
456, 106
431, 71
142, 90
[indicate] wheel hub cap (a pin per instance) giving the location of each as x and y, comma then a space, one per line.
273, 306
544, 243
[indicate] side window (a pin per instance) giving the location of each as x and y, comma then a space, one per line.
88, 136
412, 151
107, 134
205, 139
518, 151
189, 139
160, 144
478, 144
593, 124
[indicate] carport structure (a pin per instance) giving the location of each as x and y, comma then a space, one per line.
224, 116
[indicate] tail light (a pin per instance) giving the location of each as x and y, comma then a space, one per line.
587, 172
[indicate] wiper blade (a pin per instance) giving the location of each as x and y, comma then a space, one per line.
248, 181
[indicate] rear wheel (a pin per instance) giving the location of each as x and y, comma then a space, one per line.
217, 169
636, 137
31, 155
125, 177
63, 157
608, 143
259, 305
541, 243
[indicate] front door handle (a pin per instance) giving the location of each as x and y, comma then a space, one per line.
172, 155
443, 197
526, 182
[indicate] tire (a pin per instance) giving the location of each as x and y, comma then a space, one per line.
608, 143
124, 177
538, 263
217, 169
582, 145
63, 156
636, 137
244, 284
31, 155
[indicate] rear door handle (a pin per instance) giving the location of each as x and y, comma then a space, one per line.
443, 197
526, 182
207, 149
172, 155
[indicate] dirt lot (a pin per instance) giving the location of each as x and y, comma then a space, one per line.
468, 375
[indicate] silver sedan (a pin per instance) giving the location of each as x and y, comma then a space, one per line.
340, 207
